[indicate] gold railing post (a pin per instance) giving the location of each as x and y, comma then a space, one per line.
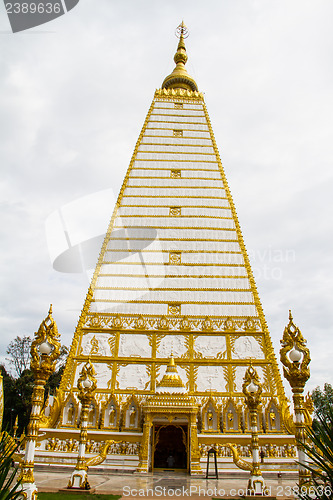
86, 384
45, 350
252, 390
295, 357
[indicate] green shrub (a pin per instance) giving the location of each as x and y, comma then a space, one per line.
9, 487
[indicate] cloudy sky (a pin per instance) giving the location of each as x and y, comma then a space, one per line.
74, 96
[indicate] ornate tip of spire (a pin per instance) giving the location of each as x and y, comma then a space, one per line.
179, 78
290, 315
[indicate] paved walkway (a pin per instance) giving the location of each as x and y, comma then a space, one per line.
168, 484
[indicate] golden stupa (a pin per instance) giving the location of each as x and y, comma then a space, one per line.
172, 318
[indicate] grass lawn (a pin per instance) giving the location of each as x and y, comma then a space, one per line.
77, 496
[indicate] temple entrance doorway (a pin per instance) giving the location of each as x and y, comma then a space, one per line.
170, 447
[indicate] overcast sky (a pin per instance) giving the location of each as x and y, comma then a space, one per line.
74, 96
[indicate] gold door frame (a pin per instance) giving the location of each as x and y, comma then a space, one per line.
186, 442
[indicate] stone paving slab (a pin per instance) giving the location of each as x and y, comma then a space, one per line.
154, 486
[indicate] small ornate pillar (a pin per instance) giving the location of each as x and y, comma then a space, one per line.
45, 350
295, 357
195, 467
86, 385
252, 390
143, 466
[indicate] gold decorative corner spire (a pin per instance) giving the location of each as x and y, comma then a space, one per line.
179, 78
171, 379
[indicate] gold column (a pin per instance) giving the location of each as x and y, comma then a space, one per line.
295, 357
252, 390
45, 350
144, 451
86, 384
195, 455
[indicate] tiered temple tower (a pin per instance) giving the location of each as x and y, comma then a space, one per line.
172, 317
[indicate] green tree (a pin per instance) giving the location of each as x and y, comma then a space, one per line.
320, 456
19, 352
322, 401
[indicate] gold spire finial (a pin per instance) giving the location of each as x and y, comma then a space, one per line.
179, 78
182, 30
171, 377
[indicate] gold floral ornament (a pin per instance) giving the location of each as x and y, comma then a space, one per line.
294, 355
45, 348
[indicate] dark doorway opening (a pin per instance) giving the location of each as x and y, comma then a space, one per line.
170, 447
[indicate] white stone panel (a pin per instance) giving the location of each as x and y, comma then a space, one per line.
186, 105
176, 183
198, 165
176, 156
129, 308
210, 345
243, 310
210, 378
89, 343
212, 258
188, 126
171, 296
171, 201
194, 234
177, 119
239, 378
177, 141
132, 375
134, 345
171, 344
128, 268
201, 246
165, 211
159, 111
178, 222
181, 193
168, 132
247, 347
179, 148
185, 173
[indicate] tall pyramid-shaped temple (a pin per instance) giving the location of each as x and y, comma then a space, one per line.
172, 318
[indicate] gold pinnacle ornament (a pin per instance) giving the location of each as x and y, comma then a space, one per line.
295, 357
45, 350
86, 385
252, 390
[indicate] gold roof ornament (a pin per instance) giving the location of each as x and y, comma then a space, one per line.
179, 78
171, 381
